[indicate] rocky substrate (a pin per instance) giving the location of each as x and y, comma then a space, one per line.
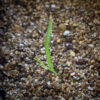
74, 48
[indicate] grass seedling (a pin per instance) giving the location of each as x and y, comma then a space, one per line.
46, 44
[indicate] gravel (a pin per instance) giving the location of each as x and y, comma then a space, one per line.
74, 50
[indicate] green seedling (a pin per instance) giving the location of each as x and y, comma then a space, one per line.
46, 44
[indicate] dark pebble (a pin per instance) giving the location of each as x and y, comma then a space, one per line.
69, 39
1, 31
69, 46
81, 62
45, 87
2, 94
3, 61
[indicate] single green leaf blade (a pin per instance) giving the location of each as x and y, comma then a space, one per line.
44, 66
46, 44
39, 61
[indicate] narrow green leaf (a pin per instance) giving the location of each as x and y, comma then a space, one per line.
39, 61
46, 44
44, 66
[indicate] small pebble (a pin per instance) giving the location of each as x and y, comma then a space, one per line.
62, 27
53, 6
31, 23
1, 31
43, 52
41, 41
66, 33
71, 98
61, 98
90, 88
68, 63
29, 77
48, 82
72, 53
83, 85
35, 98
72, 74
58, 40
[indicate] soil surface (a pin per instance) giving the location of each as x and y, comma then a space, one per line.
74, 50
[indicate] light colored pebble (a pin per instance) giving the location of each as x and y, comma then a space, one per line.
53, 6
68, 63
72, 53
48, 82
58, 40
66, 33
72, 73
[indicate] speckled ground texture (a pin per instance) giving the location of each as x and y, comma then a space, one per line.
74, 50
